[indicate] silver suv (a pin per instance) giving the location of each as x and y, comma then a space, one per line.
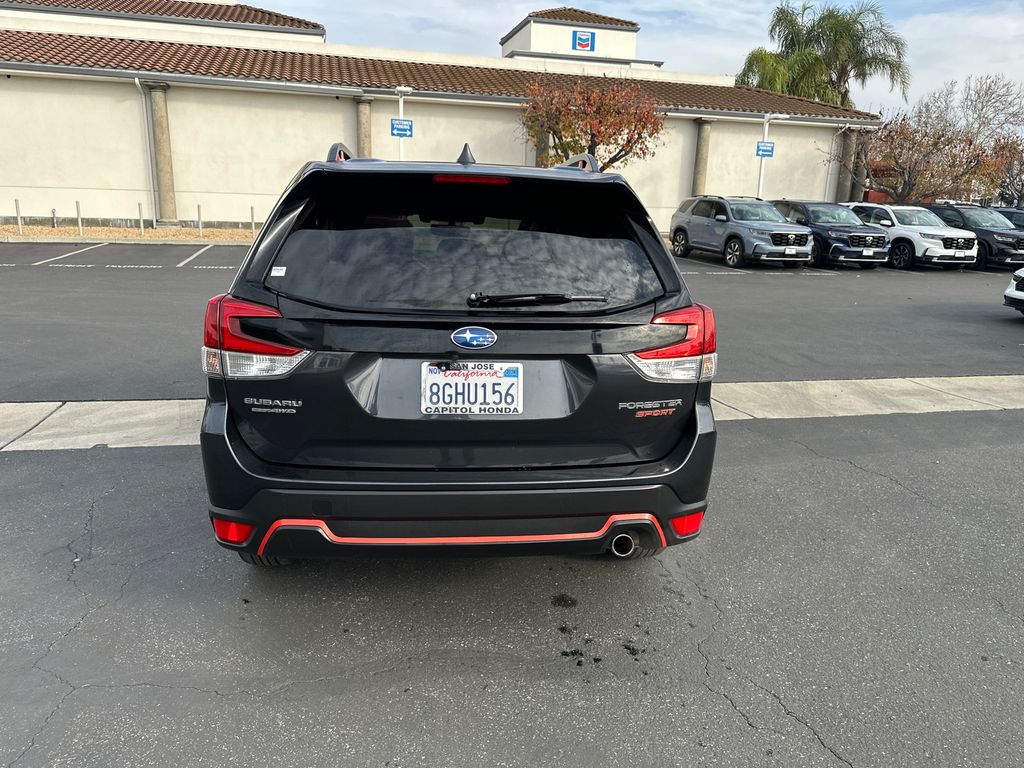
741, 228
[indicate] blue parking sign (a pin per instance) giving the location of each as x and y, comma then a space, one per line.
765, 149
401, 128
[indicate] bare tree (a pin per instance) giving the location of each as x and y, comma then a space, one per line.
956, 141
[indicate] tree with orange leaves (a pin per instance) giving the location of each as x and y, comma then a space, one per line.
616, 123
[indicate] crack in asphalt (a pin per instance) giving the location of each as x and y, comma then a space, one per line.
850, 462
706, 682
1007, 611
796, 717
38, 665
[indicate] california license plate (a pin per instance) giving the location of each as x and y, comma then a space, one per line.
791, 251
869, 251
471, 388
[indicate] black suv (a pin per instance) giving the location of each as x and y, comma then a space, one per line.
839, 236
1014, 215
998, 241
451, 354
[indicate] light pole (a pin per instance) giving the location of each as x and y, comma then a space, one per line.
402, 91
760, 171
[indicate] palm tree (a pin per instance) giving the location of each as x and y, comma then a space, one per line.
820, 54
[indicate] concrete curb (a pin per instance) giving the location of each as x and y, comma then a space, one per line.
56, 240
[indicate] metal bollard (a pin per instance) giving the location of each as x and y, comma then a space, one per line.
199, 209
78, 213
252, 220
142, 227
17, 213
53, 213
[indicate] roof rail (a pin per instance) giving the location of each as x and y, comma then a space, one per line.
339, 153
581, 161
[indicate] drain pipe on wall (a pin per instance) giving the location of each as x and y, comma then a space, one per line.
832, 161
150, 161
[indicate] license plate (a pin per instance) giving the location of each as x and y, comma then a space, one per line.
791, 251
471, 388
959, 254
869, 251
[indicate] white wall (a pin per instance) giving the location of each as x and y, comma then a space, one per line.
63, 140
236, 148
664, 180
798, 170
557, 38
441, 128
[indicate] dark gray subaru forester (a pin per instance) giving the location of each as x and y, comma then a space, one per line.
454, 355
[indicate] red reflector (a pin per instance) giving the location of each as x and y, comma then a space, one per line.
700, 333
222, 329
231, 532
445, 178
688, 524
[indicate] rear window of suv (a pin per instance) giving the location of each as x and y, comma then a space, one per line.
379, 242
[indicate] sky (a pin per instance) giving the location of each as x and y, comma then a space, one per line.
947, 40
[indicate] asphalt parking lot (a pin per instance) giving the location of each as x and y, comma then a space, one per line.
856, 598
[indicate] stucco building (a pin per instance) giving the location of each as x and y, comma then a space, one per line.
174, 104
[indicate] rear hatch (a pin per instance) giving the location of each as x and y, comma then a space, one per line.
398, 285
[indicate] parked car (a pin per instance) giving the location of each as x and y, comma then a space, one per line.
455, 355
1014, 215
740, 228
919, 236
1013, 297
839, 236
998, 241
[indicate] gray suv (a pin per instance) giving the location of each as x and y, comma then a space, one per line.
742, 228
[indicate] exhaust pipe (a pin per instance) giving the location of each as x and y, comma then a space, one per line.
624, 544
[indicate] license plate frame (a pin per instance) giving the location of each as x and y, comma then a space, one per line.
476, 388
959, 254
868, 252
790, 251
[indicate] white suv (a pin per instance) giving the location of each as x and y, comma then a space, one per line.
1013, 297
918, 235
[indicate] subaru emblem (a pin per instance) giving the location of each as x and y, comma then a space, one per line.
474, 337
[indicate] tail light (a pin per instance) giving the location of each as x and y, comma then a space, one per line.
231, 532
691, 359
229, 352
687, 525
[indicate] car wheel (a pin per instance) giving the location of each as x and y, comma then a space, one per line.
902, 255
734, 253
264, 561
982, 261
816, 258
680, 244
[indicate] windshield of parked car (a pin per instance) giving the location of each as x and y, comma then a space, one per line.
385, 242
985, 217
918, 217
832, 214
756, 212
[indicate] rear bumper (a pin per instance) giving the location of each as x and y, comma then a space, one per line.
314, 513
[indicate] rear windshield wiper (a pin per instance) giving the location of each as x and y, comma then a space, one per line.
526, 299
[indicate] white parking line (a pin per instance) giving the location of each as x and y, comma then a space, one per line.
150, 423
58, 258
197, 253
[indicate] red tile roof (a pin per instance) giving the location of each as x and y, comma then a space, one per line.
582, 17
217, 12
152, 57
